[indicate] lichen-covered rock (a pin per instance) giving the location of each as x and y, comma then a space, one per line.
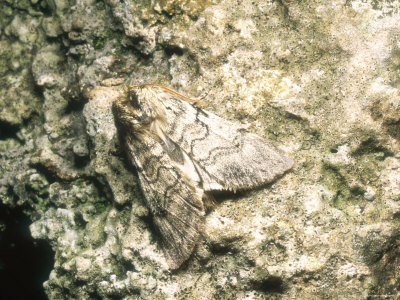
144, 22
319, 79
21, 34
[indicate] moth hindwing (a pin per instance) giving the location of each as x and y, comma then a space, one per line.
184, 153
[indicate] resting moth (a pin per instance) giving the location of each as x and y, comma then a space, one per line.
182, 154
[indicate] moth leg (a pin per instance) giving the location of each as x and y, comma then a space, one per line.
208, 201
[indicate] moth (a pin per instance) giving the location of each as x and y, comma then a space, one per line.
183, 154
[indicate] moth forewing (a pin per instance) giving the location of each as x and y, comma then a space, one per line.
182, 154
228, 157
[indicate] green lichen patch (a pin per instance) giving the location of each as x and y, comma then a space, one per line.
350, 183
18, 101
336, 179
374, 146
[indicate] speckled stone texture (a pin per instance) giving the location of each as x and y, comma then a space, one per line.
319, 79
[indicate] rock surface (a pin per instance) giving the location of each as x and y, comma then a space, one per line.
320, 79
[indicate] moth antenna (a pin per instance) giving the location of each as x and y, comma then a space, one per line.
196, 102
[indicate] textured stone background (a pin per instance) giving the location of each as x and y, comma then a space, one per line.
319, 79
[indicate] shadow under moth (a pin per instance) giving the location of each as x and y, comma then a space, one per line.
182, 154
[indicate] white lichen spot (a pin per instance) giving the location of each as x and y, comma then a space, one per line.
218, 222
350, 270
245, 27
260, 88
342, 156
216, 23
259, 234
390, 178
312, 201
310, 263
82, 265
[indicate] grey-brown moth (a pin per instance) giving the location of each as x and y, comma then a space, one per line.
182, 154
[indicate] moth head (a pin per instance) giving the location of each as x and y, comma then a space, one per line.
133, 97
137, 108
126, 112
